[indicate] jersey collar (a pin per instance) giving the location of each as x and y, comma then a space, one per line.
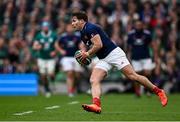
84, 27
46, 35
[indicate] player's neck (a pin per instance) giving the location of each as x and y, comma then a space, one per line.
83, 25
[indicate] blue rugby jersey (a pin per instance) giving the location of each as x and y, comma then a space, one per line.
90, 30
139, 41
70, 43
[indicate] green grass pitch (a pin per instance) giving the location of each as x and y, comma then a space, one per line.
115, 107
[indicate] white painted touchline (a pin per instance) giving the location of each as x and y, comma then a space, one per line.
73, 102
52, 107
23, 113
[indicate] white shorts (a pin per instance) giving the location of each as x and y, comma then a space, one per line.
93, 62
116, 58
46, 66
143, 64
70, 64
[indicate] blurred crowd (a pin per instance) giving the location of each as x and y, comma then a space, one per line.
20, 21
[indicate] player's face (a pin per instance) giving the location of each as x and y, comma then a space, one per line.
139, 25
76, 23
69, 28
45, 29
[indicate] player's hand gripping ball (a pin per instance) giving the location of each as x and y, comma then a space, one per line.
80, 60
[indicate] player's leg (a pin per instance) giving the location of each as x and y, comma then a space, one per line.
45, 83
90, 68
137, 65
70, 82
118, 58
144, 67
68, 68
148, 66
51, 64
131, 74
43, 77
96, 77
148, 74
78, 71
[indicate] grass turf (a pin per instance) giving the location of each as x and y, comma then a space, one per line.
115, 107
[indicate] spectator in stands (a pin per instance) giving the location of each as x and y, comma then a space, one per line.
3, 54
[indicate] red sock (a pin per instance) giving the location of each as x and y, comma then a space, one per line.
156, 90
97, 101
71, 90
137, 90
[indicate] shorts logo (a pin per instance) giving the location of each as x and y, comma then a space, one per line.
122, 63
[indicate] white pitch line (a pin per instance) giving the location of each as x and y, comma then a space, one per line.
23, 113
52, 107
73, 102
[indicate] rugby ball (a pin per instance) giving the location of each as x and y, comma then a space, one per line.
81, 61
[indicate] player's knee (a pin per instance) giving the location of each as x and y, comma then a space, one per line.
94, 81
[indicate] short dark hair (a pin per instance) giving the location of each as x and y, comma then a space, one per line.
81, 15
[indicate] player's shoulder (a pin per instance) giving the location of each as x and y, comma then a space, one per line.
38, 34
53, 33
147, 32
78, 34
91, 26
131, 32
64, 34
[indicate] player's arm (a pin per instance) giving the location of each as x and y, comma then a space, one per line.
96, 45
37, 45
54, 52
82, 46
59, 48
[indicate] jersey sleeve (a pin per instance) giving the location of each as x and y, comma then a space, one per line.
60, 40
55, 37
36, 38
91, 32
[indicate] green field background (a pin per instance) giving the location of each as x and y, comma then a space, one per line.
115, 107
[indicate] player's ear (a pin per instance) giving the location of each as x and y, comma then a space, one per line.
81, 21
